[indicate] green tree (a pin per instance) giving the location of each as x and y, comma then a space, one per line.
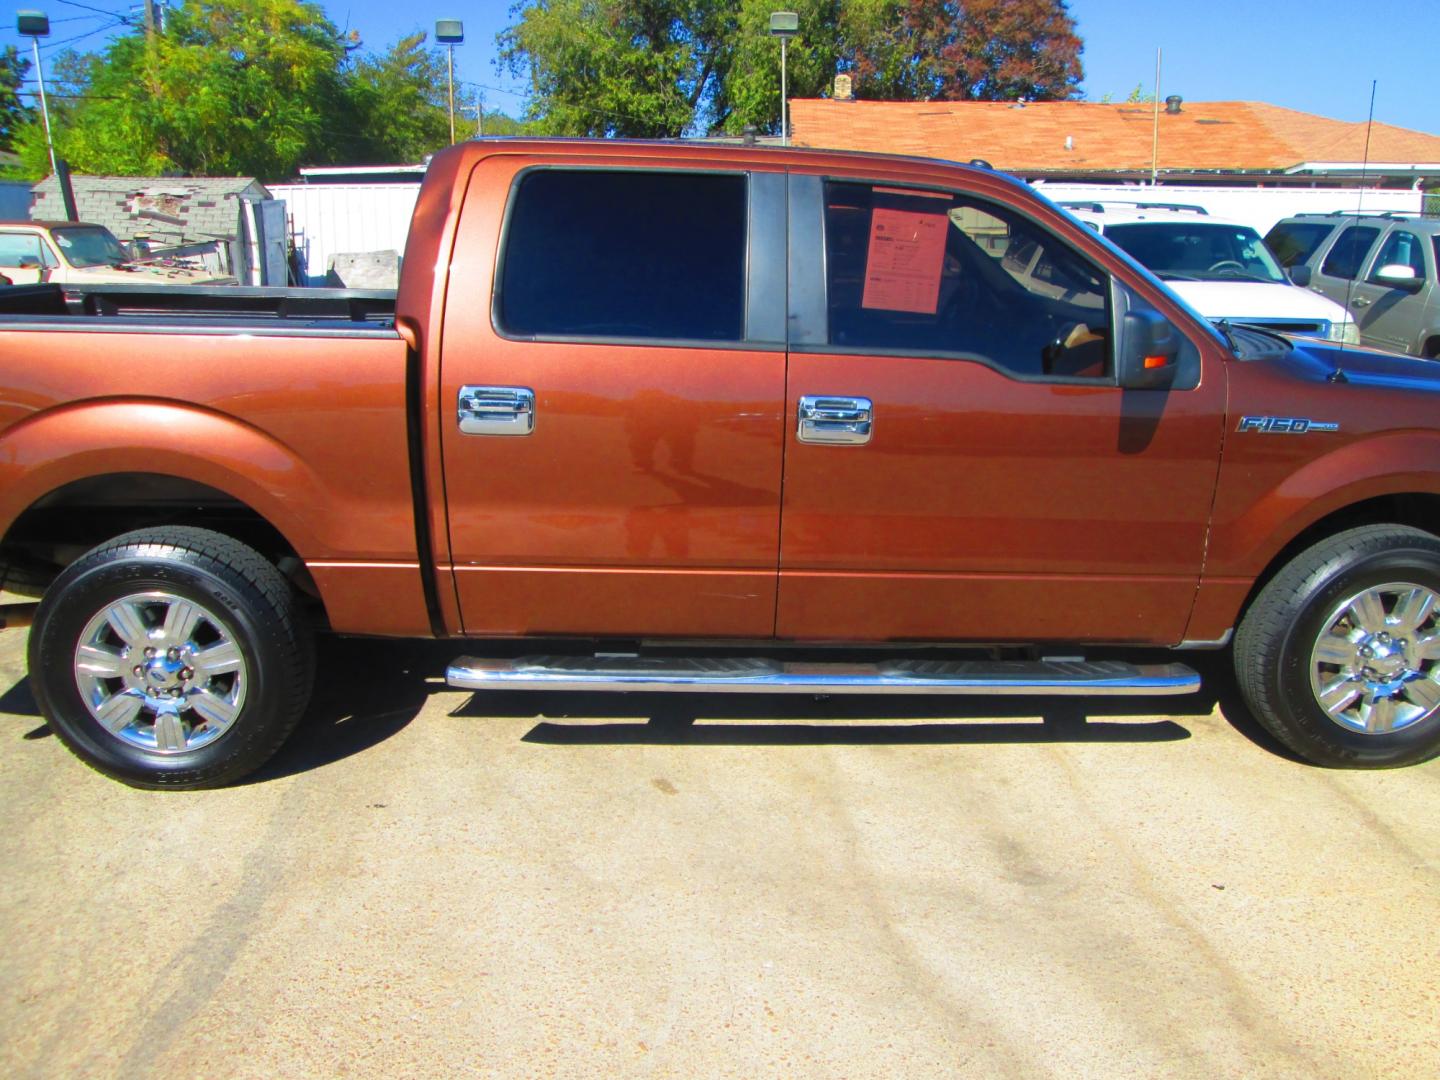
13, 111
651, 68
397, 104
619, 67
232, 86
748, 91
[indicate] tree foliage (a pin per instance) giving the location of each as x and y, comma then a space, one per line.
619, 67
968, 50
648, 68
13, 111
397, 104
244, 87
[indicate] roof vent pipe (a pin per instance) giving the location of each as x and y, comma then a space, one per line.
1172, 104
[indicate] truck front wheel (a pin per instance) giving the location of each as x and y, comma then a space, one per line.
1339, 655
171, 658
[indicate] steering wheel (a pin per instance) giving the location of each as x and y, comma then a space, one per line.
1227, 264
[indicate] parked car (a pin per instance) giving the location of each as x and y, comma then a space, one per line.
1385, 266
75, 253
712, 419
1221, 268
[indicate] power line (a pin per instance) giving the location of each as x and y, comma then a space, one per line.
80, 37
102, 11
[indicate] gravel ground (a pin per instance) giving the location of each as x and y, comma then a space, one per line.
429, 883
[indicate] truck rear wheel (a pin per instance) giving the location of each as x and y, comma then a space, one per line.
171, 658
1339, 655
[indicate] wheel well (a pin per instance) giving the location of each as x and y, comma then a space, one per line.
1418, 511
61, 526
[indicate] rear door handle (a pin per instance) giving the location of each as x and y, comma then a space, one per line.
1360, 301
496, 410
835, 421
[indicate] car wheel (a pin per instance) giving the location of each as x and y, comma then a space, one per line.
171, 658
1339, 655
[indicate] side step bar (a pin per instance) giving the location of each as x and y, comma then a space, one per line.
759, 676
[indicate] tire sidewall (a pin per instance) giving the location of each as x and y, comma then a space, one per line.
1323, 592
82, 592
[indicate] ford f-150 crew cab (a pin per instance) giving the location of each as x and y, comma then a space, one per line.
698, 418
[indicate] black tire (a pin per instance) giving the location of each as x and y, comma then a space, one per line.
1283, 626
248, 607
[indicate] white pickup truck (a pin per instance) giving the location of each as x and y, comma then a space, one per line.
76, 253
1220, 268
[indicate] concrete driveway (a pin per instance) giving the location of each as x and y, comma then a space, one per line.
430, 884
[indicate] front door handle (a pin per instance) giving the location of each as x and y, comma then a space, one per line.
496, 410
835, 421
1360, 301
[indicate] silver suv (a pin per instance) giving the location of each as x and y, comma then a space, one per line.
1384, 266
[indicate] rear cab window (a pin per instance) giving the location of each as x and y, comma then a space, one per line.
926, 273
591, 253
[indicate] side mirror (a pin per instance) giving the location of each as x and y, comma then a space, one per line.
1148, 356
1398, 276
1300, 275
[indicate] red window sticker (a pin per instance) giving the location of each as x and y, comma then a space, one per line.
906, 257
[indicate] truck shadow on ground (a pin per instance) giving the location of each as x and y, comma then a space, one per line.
367, 691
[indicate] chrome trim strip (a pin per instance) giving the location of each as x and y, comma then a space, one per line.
116, 324
1218, 643
776, 677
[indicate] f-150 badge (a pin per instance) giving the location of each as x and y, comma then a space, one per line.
1284, 425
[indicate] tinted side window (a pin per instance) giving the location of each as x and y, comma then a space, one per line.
626, 255
1348, 254
1403, 249
911, 271
1294, 243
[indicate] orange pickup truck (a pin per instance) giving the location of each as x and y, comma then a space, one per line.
711, 418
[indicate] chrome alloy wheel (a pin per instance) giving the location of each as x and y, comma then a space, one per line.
1375, 667
160, 672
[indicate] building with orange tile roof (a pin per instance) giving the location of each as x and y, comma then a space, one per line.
1218, 141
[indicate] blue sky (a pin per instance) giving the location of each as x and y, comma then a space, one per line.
1318, 56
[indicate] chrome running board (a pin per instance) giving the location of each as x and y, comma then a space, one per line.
760, 676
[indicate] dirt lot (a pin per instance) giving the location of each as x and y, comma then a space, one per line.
431, 884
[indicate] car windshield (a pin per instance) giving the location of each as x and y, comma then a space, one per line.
1198, 251
89, 247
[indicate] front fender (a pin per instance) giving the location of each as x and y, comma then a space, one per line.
1252, 528
86, 439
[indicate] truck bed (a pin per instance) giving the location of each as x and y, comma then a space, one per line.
188, 309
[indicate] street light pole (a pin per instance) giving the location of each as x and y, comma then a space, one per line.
35, 25
450, 32
784, 25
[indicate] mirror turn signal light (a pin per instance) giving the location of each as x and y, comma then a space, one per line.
1152, 362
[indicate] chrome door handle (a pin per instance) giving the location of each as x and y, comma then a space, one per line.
496, 410
1360, 301
835, 421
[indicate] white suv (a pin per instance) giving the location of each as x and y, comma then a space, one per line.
1220, 268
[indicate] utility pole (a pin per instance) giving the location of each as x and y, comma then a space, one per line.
149, 18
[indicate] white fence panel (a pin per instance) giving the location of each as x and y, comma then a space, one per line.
1257, 207
332, 219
